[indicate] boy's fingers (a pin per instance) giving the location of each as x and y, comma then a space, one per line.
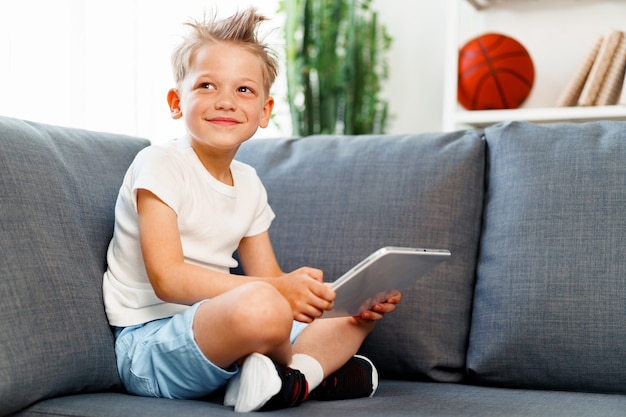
316, 274
395, 298
324, 291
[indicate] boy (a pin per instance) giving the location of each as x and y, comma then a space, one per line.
184, 326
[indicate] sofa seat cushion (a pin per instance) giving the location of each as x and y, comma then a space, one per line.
337, 199
58, 189
393, 398
550, 308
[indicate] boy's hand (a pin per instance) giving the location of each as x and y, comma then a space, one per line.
379, 310
306, 292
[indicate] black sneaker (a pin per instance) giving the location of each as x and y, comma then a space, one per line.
263, 385
293, 391
358, 378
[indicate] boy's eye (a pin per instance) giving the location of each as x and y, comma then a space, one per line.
245, 90
207, 86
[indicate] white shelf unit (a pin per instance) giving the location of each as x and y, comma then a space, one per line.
455, 117
484, 118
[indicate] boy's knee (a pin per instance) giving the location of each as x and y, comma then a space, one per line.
262, 309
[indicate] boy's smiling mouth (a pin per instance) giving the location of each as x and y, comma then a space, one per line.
224, 121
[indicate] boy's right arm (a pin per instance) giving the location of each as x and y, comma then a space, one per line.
172, 279
179, 282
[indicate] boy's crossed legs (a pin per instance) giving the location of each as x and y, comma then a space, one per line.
189, 354
264, 341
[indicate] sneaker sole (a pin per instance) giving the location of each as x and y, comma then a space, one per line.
374, 374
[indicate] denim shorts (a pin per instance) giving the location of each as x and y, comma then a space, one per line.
162, 359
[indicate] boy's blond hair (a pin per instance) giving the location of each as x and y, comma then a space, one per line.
239, 29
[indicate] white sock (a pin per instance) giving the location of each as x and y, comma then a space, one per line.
310, 368
254, 385
257, 382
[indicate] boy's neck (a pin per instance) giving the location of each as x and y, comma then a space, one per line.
217, 163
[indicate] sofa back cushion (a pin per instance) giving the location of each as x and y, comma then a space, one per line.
337, 199
58, 188
550, 308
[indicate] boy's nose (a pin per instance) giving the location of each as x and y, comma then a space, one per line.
225, 101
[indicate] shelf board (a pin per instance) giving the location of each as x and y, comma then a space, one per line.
483, 118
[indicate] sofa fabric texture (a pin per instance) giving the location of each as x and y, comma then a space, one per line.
550, 305
527, 318
58, 188
394, 398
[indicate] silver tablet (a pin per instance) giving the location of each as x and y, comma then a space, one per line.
374, 279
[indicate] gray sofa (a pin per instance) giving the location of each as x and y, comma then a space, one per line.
528, 318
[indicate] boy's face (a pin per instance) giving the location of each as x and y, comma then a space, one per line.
222, 99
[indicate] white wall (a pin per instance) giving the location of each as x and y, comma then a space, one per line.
417, 56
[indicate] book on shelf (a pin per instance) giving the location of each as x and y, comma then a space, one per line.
612, 86
571, 93
600, 68
599, 80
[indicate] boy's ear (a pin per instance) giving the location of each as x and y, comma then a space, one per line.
173, 100
266, 113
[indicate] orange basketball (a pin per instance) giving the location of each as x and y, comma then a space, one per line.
495, 72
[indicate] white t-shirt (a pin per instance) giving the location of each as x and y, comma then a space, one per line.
212, 219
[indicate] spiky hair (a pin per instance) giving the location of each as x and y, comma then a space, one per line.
241, 29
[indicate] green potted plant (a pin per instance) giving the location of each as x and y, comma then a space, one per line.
335, 66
